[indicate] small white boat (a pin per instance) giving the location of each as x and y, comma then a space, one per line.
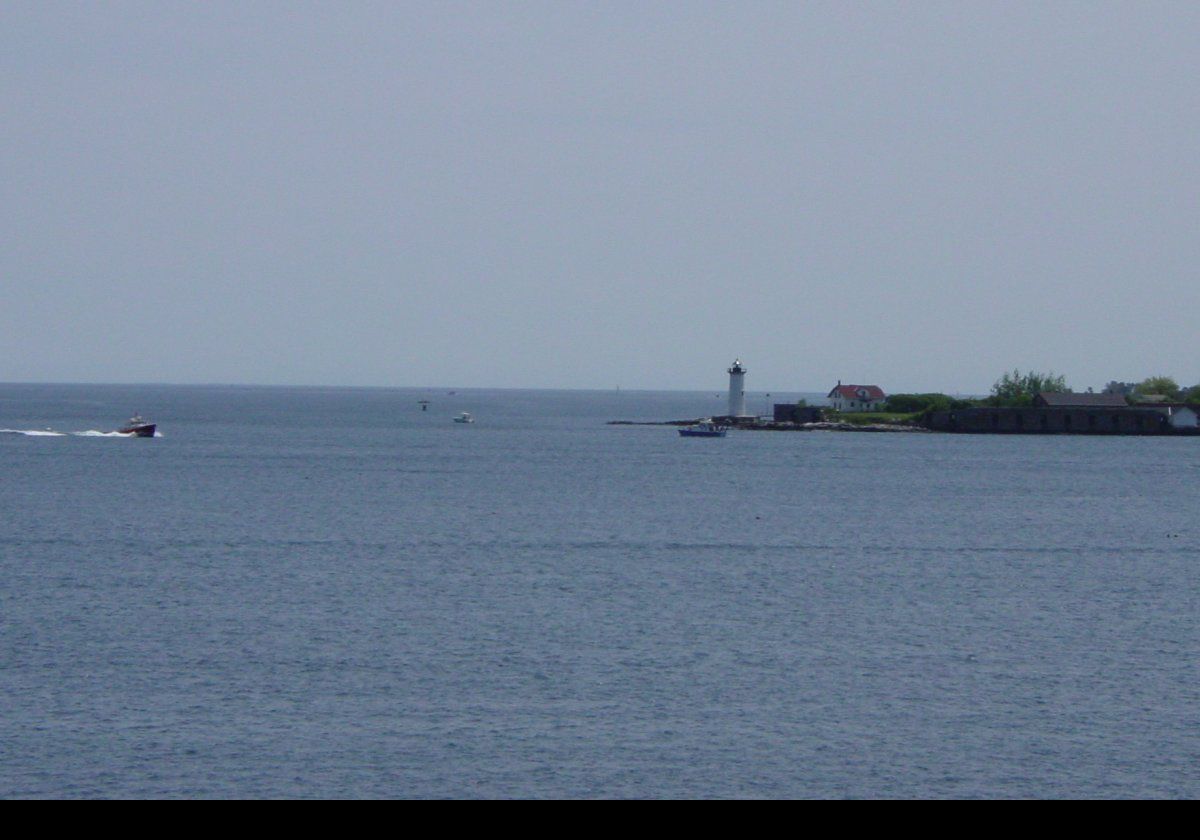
465, 417
706, 428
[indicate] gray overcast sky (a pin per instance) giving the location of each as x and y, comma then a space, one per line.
919, 195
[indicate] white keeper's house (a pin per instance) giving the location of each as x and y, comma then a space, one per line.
857, 398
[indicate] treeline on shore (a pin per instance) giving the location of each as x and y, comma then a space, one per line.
1018, 390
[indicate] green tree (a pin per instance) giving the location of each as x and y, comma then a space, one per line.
1160, 385
1018, 388
1193, 395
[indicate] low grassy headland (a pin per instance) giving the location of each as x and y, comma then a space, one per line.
873, 418
900, 410
920, 403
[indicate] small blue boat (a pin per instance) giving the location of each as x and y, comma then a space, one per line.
705, 429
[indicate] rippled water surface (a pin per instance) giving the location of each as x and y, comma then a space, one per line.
305, 592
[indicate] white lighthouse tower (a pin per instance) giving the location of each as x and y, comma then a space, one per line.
737, 389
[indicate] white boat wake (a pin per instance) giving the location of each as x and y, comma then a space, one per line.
91, 433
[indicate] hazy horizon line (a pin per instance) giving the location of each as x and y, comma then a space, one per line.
428, 387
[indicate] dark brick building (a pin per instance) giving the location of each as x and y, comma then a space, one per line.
792, 413
1078, 421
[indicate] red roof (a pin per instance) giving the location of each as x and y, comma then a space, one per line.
858, 392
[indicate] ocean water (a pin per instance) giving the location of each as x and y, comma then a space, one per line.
329, 593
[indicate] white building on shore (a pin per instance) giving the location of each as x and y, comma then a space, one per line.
856, 398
